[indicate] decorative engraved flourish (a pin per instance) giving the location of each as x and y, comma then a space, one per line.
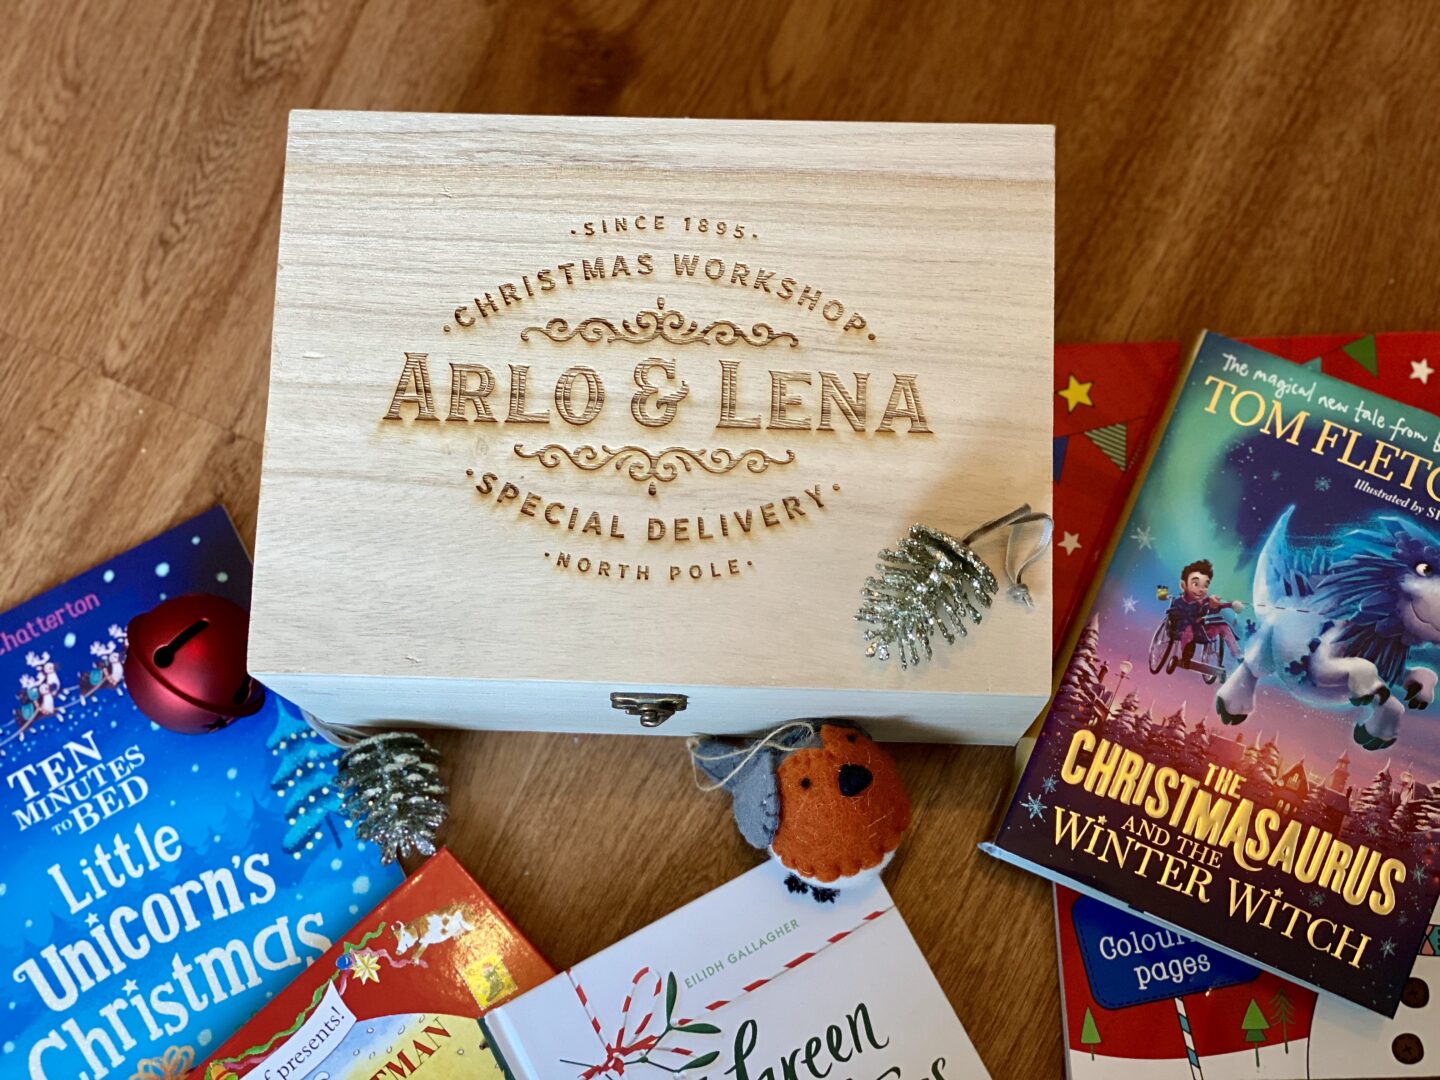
670, 325
661, 466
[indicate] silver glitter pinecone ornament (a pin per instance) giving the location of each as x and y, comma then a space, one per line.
393, 793
931, 583
928, 583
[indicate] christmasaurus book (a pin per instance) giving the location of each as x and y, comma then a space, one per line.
157, 887
1238, 745
750, 981
400, 996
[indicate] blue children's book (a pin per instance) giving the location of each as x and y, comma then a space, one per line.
156, 889
1244, 741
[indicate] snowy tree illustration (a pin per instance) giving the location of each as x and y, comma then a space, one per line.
1254, 1025
1267, 759
1169, 738
1195, 755
1145, 727
1089, 1033
1282, 1015
1261, 765
1408, 818
1080, 691
305, 779
1373, 808
1121, 724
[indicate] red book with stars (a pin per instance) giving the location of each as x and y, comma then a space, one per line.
401, 995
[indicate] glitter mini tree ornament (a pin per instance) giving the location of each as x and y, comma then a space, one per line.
931, 583
393, 793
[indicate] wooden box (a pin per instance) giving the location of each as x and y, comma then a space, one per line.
562, 408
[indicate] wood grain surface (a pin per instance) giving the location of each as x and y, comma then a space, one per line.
1259, 168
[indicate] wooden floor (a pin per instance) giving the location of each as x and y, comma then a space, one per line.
1252, 167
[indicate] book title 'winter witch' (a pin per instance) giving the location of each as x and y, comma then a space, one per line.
157, 887
1239, 743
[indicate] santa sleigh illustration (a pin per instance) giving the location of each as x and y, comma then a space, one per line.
108, 666
37, 700
40, 693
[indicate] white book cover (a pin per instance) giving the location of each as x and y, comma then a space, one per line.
752, 982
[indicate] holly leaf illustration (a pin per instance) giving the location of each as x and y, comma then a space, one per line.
670, 991
697, 1028
700, 1062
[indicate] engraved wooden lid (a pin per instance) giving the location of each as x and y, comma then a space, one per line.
626, 402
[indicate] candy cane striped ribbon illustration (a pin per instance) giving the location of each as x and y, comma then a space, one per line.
1196, 1073
650, 984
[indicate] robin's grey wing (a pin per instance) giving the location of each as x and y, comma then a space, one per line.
751, 782
757, 802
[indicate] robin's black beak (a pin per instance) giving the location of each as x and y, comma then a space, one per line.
853, 780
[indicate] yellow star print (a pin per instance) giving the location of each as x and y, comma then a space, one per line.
365, 966
1077, 393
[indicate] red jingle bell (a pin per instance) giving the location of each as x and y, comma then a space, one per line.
185, 665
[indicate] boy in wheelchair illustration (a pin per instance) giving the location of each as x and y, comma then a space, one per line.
1194, 623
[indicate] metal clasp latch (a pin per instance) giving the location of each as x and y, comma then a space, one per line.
653, 709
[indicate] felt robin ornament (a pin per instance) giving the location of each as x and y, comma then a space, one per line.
823, 799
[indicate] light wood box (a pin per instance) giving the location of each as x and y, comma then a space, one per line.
421, 250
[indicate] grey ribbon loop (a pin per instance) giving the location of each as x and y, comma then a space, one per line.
1016, 520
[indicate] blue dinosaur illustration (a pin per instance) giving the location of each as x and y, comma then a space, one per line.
1337, 625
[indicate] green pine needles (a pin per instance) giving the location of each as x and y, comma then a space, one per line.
393, 793
929, 583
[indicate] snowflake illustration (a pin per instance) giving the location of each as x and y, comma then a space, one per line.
1274, 474
1048, 784
1322, 483
1317, 898
1387, 947
365, 966
1418, 873
1143, 536
1035, 806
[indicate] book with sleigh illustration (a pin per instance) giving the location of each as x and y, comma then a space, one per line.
750, 980
400, 996
156, 887
1238, 745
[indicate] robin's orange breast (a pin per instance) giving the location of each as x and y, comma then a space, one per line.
843, 807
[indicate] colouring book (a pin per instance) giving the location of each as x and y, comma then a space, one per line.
1141, 1002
